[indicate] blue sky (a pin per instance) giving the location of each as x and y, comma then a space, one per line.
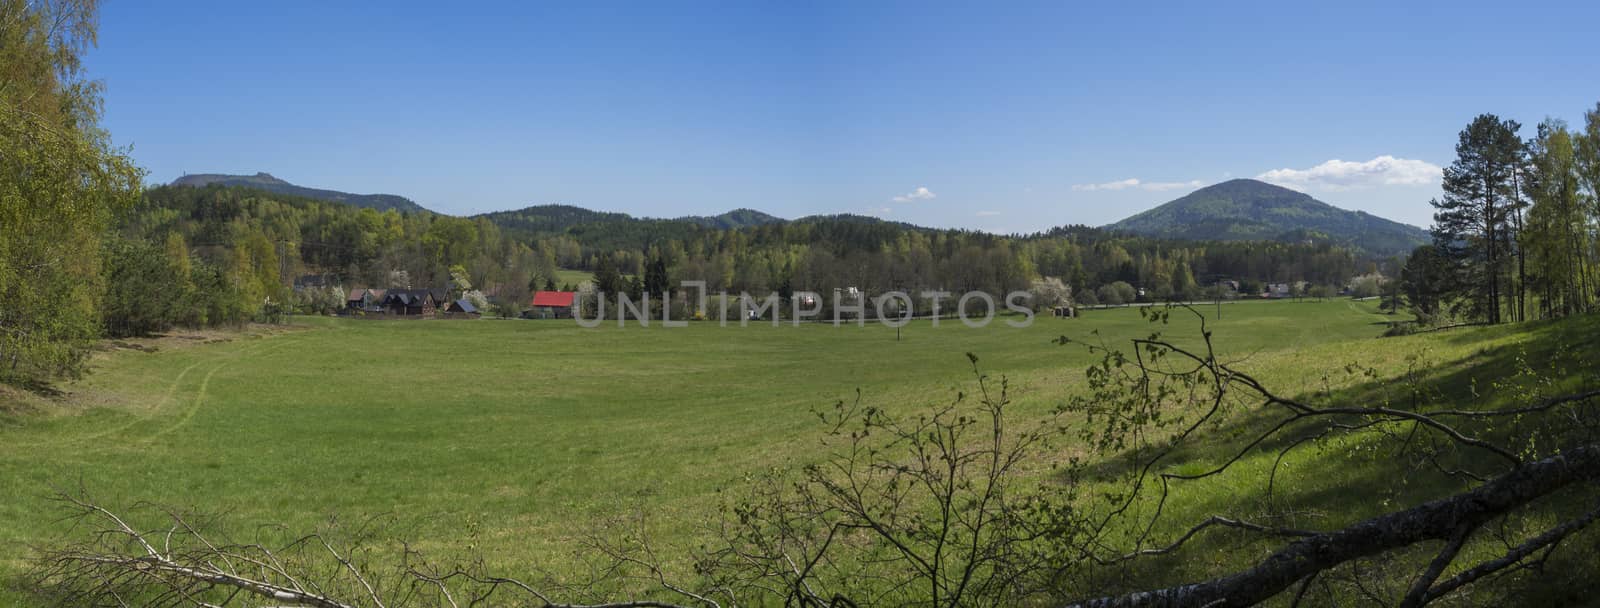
1008, 117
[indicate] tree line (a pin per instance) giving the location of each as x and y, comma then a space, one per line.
1515, 231
364, 247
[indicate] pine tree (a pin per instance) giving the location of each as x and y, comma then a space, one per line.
1473, 221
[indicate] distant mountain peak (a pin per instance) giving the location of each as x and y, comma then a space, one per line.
266, 181
1253, 189
1247, 210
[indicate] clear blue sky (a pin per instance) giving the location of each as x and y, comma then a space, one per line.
1014, 117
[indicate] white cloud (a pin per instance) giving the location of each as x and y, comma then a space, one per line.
922, 193
1336, 175
1163, 186
987, 213
1134, 182
1118, 185
879, 210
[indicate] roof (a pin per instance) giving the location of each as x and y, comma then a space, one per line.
464, 306
361, 293
411, 297
553, 298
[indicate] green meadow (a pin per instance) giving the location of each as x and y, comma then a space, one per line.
530, 433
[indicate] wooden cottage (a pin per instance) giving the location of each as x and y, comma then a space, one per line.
411, 302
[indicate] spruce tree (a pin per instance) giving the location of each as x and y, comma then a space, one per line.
607, 280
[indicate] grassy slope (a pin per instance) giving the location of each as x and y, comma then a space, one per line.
534, 430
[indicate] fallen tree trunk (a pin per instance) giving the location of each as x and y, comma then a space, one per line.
1436, 520
157, 566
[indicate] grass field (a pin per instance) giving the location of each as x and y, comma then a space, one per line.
566, 276
531, 431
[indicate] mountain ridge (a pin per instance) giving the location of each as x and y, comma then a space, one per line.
1235, 210
266, 181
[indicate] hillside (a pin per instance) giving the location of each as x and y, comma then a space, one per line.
543, 219
1250, 210
265, 181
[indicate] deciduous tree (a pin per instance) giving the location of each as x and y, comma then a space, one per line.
60, 180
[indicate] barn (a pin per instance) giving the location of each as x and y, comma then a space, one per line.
552, 305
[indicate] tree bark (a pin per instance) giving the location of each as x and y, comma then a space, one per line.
1436, 520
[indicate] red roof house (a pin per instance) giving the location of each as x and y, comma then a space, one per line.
552, 304
554, 298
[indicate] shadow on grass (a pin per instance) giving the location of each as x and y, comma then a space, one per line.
1327, 483
36, 387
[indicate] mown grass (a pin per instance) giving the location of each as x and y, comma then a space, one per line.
533, 432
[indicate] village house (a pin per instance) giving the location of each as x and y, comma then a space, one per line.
412, 302
461, 309
1284, 290
364, 301
551, 305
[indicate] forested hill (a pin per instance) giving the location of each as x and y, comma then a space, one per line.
265, 181
1250, 210
542, 219
611, 230
604, 229
738, 218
